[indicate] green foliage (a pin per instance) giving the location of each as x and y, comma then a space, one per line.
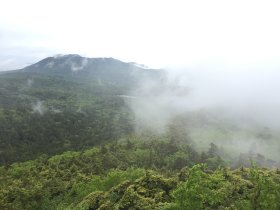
114, 177
66, 179
149, 192
223, 189
202, 190
71, 115
47, 111
266, 191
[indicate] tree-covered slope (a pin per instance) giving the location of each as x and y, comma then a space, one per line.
65, 103
69, 140
137, 173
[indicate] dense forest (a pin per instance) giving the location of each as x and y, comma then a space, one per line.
134, 174
68, 140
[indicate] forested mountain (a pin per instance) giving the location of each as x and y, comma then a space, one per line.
68, 140
106, 71
65, 103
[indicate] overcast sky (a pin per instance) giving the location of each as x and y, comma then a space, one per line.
156, 33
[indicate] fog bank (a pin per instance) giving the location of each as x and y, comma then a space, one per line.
241, 93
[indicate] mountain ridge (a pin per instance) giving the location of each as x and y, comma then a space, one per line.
108, 70
73, 108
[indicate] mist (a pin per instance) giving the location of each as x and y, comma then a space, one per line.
39, 108
234, 105
241, 93
77, 67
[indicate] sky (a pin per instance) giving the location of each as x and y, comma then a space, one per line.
157, 33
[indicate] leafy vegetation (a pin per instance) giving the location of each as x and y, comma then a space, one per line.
56, 115
134, 174
67, 141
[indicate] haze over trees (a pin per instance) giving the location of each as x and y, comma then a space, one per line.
99, 133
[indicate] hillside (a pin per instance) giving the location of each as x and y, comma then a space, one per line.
71, 103
137, 173
65, 103
71, 138
107, 71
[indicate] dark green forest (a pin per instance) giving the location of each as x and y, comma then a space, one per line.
68, 141
134, 174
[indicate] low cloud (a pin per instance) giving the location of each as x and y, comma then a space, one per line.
233, 108
252, 93
39, 108
78, 66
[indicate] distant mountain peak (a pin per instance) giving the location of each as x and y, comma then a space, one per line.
75, 62
108, 70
